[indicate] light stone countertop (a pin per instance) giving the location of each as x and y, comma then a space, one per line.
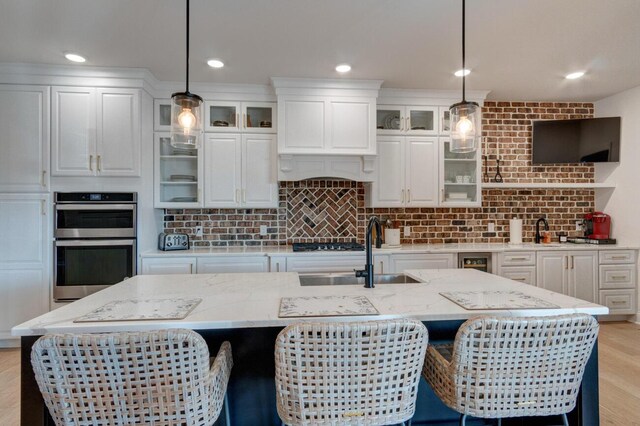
248, 300
405, 248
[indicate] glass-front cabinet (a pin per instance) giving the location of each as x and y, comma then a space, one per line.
459, 177
254, 117
177, 175
408, 120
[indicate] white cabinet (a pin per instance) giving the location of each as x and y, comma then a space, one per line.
95, 132
168, 265
574, 273
335, 263
240, 171
410, 120
402, 262
326, 125
523, 274
177, 174
518, 266
459, 177
618, 281
407, 173
24, 259
233, 264
231, 116
24, 138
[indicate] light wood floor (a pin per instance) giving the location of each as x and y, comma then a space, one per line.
619, 354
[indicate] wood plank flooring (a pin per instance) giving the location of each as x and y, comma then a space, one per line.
619, 354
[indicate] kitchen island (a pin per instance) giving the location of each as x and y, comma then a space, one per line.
244, 309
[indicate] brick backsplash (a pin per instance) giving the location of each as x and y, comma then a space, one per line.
333, 210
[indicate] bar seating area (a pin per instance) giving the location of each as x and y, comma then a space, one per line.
326, 373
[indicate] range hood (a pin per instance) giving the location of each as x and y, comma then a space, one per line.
326, 128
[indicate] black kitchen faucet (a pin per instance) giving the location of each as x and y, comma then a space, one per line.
367, 272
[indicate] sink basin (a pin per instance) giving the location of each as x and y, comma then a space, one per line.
351, 279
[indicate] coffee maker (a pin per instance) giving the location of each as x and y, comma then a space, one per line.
597, 226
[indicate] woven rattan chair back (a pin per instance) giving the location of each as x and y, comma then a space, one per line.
513, 367
361, 373
158, 377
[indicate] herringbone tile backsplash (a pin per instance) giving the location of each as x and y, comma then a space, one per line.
333, 210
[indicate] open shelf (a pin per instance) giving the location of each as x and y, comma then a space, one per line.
592, 185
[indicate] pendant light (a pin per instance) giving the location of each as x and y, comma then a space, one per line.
186, 117
465, 115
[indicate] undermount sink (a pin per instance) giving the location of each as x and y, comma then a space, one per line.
351, 279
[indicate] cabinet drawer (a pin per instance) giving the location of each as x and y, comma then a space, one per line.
232, 264
618, 301
517, 258
617, 256
325, 264
617, 276
168, 265
523, 274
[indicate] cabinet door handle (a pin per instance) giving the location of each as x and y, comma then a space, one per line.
381, 267
408, 123
408, 195
442, 195
244, 120
199, 192
99, 163
244, 195
43, 209
44, 178
519, 279
237, 120
618, 257
572, 262
236, 197
565, 262
91, 163
402, 195
402, 123
278, 267
618, 277
618, 302
517, 258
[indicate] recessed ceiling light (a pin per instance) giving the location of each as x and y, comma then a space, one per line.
461, 73
74, 57
215, 63
343, 68
574, 75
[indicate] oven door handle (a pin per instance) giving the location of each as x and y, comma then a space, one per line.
95, 243
95, 206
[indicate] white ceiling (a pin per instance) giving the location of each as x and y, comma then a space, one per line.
518, 49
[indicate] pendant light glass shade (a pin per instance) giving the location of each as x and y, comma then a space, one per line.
464, 116
186, 111
186, 120
465, 127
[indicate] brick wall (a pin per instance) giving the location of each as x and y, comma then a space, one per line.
333, 210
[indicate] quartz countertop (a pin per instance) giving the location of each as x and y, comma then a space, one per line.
246, 300
286, 250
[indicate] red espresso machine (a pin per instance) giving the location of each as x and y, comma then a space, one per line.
597, 226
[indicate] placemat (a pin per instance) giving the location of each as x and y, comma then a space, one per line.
325, 306
495, 300
141, 310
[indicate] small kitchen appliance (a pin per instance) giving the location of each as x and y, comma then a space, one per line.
597, 226
170, 242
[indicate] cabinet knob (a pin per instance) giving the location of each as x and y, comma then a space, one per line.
90, 162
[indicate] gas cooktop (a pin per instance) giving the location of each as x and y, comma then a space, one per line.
328, 247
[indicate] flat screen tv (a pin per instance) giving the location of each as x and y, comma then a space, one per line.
589, 140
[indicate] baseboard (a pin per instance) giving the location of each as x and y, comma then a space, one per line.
11, 342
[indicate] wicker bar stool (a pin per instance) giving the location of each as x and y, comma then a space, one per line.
513, 367
359, 373
157, 377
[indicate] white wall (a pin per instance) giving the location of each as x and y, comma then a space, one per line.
623, 203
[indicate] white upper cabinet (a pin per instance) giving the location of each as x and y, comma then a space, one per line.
407, 173
240, 171
326, 117
95, 132
459, 177
24, 120
228, 116
177, 174
407, 120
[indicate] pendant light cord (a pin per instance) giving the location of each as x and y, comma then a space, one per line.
464, 69
187, 79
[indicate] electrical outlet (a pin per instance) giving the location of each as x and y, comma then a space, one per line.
578, 225
407, 231
491, 227
198, 231
263, 229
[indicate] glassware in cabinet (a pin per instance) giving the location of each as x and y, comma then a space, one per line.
460, 179
177, 175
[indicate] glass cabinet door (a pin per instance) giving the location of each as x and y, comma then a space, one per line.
259, 117
162, 115
422, 120
222, 116
460, 178
177, 174
390, 120
444, 121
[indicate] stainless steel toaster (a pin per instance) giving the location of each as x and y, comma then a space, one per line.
167, 242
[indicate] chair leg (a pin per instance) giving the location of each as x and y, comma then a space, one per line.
463, 419
227, 418
499, 422
565, 421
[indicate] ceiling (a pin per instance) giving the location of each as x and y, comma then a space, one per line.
518, 49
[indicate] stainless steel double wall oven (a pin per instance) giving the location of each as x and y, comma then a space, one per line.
95, 241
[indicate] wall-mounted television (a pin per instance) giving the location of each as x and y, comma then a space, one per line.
588, 140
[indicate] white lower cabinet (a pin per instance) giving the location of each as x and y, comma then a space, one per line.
618, 281
574, 273
168, 265
223, 264
401, 262
24, 259
523, 274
